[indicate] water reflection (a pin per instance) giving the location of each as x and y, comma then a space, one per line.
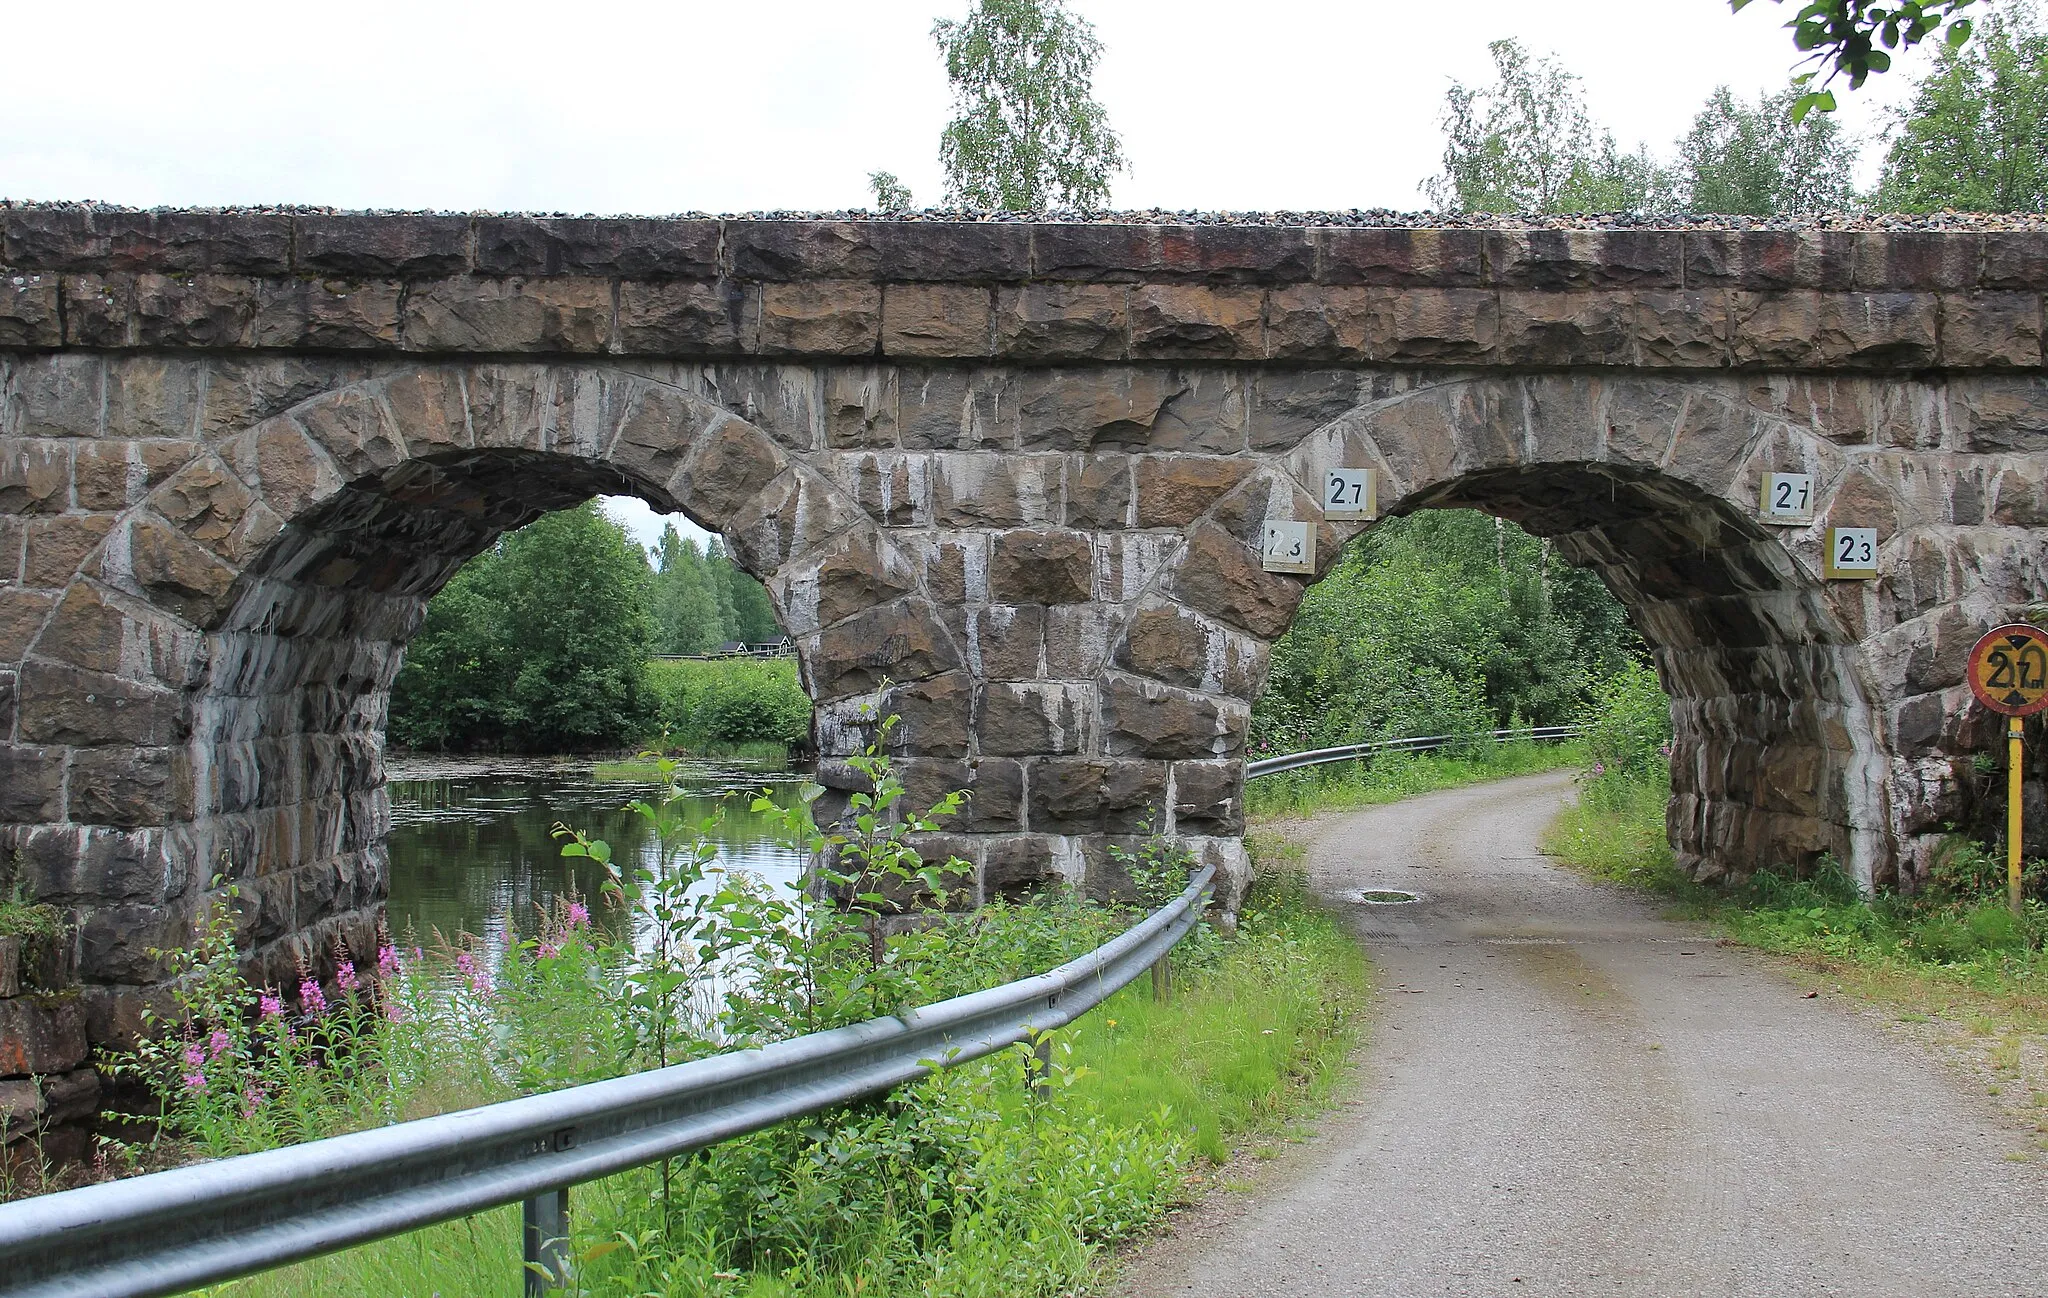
472, 848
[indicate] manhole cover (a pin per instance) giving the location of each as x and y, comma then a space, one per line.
1387, 897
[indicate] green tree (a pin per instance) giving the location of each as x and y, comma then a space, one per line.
685, 604
452, 691
1526, 143
1843, 37
1976, 134
1026, 133
891, 194
1754, 160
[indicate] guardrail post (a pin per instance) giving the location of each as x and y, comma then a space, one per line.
546, 1231
1162, 979
1039, 1070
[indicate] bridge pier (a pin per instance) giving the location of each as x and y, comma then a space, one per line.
1003, 480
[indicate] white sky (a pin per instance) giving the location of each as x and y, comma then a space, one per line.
613, 106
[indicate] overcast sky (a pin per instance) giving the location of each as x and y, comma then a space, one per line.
616, 106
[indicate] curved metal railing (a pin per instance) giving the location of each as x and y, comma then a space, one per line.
1352, 752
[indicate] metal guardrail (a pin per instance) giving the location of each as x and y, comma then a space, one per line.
171, 1231
1351, 752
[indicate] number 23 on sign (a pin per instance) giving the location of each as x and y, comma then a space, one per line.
1288, 547
1851, 553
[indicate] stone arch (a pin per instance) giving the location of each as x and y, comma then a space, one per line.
220, 661
1780, 755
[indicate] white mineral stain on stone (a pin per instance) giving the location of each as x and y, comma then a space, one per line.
1068, 861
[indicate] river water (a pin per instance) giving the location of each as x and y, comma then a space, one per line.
473, 849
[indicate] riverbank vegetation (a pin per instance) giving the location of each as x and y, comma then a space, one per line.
542, 644
961, 1184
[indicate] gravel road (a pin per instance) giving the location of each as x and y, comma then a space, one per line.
1566, 1094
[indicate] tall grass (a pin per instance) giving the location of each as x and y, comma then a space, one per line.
1389, 777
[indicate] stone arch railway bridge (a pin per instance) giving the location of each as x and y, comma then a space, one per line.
1008, 480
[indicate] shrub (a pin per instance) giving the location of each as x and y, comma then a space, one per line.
735, 701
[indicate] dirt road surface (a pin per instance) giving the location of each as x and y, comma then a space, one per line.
1566, 1094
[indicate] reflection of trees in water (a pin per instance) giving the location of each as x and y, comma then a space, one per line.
478, 854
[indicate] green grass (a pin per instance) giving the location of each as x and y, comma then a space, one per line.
1252, 1034
1615, 831
638, 771
1390, 777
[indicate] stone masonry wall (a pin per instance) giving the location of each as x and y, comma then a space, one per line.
1003, 479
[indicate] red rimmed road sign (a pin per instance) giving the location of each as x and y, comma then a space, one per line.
2009, 670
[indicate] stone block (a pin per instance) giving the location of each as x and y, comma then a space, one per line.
1015, 866
511, 315
994, 788
1910, 260
30, 313
1091, 795
129, 788
1847, 330
173, 571
1041, 566
951, 409
65, 237
685, 318
1314, 322
1555, 329
731, 464
110, 476
2014, 261
1999, 414
58, 395
937, 320
1091, 410
1142, 718
41, 1035
1190, 322
1177, 646
1062, 322
1174, 490
802, 250
859, 410
937, 715
1092, 251
1554, 260
820, 318
1002, 641
380, 247
1401, 257
1433, 325
632, 248
35, 476
901, 641
328, 315
1208, 797
1035, 718
1220, 576
67, 705
31, 784
1769, 261
1237, 254
860, 571
1678, 330
980, 251
991, 490
115, 942
22, 614
1991, 330
1078, 639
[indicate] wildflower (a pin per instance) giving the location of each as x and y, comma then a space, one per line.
345, 976
195, 1059
394, 1012
195, 1081
1599, 769
217, 1044
268, 1005
579, 914
549, 950
311, 998
387, 960
252, 1100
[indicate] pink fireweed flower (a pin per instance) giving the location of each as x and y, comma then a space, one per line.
579, 914
387, 961
252, 1100
195, 1081
394, 1012
311, 998
268, 1005
345, 976
195, 1058
549, 950
217, 1044
1599, 768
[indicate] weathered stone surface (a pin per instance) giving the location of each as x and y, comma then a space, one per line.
821, 318
1991, 330
1169, 321
1208, 797
1016, 865
686, 318
65, 705
1042, 567
407, 247
22, 613
1033, 718
1062, 322
1221, 577
1145, 719
1432, 325
1092, 796
31, 784
40, 1036
899, 641
994, 788
513, 315
920, 320
636, 248
937, 715
1172, 644
1174, 491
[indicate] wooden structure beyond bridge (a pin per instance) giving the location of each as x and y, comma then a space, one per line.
1005, 479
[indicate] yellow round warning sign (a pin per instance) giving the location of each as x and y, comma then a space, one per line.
2009, 670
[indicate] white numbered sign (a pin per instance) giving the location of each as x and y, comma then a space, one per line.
1350, 494
1787, 498
1289, 547
1852, 553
